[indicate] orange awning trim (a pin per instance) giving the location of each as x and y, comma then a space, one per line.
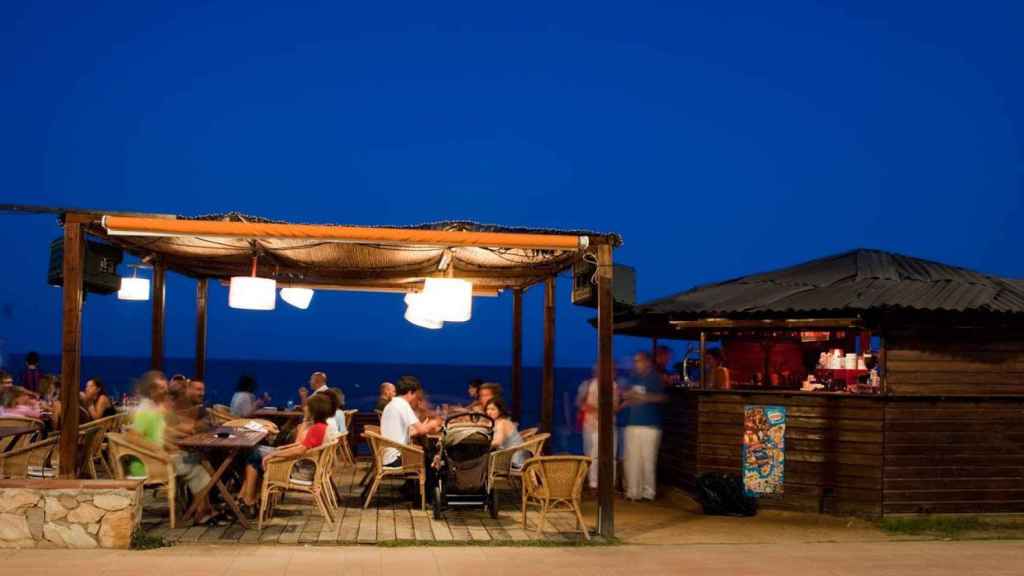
143, 226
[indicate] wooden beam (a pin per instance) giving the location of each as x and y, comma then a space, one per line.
605, 396
790, 323
162, 227
547, 395
159, 292
517, 354
71, 345
201, 291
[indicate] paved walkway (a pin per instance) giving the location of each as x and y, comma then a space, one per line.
989, 558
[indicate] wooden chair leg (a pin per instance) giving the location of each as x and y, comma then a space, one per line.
423, 490
524, 511
373, 491
543, 514
579, 518
171, 494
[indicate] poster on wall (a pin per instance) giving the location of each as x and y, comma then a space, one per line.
764, 449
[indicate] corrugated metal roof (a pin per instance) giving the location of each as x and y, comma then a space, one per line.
849, 283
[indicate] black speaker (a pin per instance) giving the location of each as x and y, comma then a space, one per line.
584, 292
100, 273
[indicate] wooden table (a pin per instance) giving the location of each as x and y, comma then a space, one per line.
207, 442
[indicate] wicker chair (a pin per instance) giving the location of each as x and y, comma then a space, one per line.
277, 479
24, 461
220, 414
371, 471
270, 427
552, 481
500, 465
528, 433
12, 442
345, 447
93, 447
159, 468
413, 465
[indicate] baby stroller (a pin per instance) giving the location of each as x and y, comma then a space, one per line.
463, 454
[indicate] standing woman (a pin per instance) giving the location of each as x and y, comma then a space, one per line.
96, 401
716, 373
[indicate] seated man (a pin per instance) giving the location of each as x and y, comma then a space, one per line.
399, 423
190, 414
149, 423
387, 392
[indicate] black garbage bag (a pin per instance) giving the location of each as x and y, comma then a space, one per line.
722, 494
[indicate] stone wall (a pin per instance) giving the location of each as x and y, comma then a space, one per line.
69, 513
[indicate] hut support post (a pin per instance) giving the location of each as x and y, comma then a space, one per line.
200, 371
157, 354
517, 354
547, 399
703, 351
606, 395
71, 344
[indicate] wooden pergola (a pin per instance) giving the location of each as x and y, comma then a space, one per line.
348, 258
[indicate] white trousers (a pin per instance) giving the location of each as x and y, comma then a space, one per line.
641, 461
590, 449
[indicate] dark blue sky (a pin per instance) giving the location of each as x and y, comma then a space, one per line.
717, 140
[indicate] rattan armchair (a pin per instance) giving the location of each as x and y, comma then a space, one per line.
553, 481
500, 465
220, 414
26, 461
159, 467
372, 469
277, 479
93, 437
528, 433
412, 465
270, 427
22, 440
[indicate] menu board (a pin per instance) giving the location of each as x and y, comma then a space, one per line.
764, 449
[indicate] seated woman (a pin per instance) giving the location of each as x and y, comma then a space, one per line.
506, 432
336, 423
18, 401
95, 400
318, 409
244, 402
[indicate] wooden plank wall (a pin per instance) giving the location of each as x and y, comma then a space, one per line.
954, 455
955, 362
677, 461
834, 447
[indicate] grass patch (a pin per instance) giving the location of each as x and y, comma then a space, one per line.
593, 542
952, 527
143, 541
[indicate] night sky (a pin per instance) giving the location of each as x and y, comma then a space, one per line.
718, 141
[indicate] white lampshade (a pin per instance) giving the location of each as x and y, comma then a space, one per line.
298, 297
133, 288
252, 293
451, 299
419, 312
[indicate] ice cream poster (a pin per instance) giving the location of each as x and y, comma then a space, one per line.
764, 449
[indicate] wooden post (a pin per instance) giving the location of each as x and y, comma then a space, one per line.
157, 355
71, 345
200, 372
703, 351
605, 395
547, 397
517, 354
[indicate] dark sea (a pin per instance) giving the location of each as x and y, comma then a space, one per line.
282, 378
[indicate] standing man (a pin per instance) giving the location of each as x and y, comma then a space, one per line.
32, 375
643, 428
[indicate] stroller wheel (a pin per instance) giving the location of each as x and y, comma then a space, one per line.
492, 504
438, 505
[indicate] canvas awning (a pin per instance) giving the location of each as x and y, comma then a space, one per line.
348, 257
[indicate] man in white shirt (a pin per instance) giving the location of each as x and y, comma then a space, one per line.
399, 422
318, 385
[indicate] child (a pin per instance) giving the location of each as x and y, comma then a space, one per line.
318, 409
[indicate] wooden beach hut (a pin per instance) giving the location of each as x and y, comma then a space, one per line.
346, 258
942, 432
